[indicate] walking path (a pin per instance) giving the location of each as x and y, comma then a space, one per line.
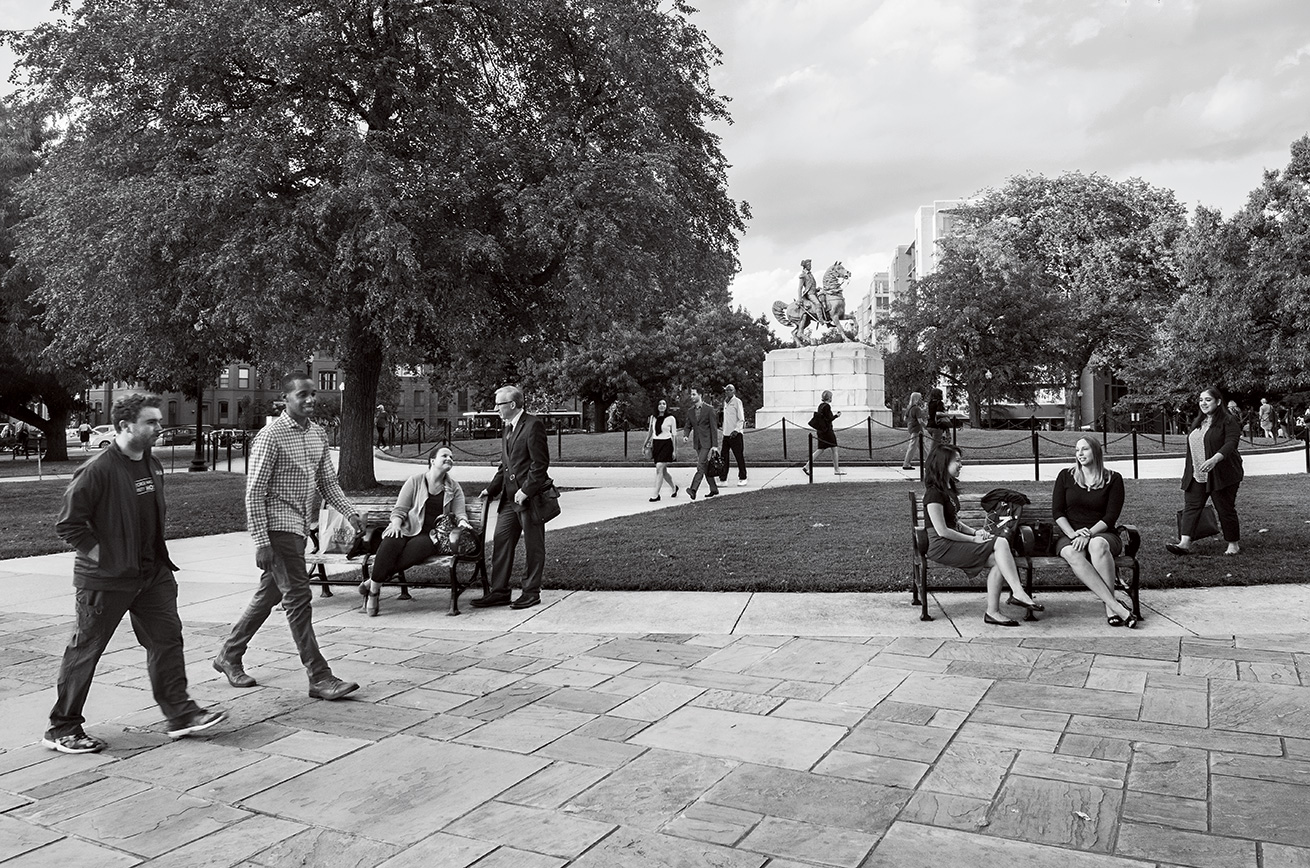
635, 730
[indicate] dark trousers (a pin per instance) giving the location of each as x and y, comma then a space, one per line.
287, 583
1225, 506
733, 445
400, 553
702, 463
382, 436
159, 630
511, 523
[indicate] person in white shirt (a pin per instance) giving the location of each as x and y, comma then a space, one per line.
734, 423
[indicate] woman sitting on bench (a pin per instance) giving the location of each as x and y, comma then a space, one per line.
407, 541
952, 544
1085, 504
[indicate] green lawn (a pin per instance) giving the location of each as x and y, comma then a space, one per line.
765, 447
856, 538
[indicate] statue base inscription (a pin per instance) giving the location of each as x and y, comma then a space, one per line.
795, 379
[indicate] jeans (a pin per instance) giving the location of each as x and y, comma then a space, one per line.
159, 630
288, 583
733, 444
702, 459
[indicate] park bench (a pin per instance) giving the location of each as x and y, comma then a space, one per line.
1026, 554
376, 513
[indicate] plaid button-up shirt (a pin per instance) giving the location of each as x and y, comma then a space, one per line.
287, 466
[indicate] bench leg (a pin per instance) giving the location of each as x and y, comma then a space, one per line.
455, 588
1028, 588
324, 590
1132, 592
923, 593
404, 588
914, 583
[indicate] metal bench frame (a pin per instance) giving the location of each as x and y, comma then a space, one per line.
1039, 511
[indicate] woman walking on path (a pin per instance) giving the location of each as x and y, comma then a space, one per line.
663, 451
913, 421
821, 422
407, 541
1213, 470
1086, 503
953, 544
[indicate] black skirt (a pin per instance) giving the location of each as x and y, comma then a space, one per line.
661, 451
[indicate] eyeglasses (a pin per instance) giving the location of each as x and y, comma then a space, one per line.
503, 403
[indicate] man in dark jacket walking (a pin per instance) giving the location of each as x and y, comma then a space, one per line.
113, 514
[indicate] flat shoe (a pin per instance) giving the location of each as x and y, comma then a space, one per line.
1115, 621
676, 489
524, 602
1131, 622
988, 619
236, 676
653, 499
489, 600
331, 688
1176, 549
1031, 607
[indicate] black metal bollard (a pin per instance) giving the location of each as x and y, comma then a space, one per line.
1105, 424
1135, 476
869, 422
625, 439
229, 455
1037, 459
784, 439
921, 456
1307, 449
559, 443
809, 464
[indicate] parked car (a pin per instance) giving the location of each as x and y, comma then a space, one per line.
176, 437
101, 436
224, 436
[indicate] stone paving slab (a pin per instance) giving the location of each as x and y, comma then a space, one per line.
475, 747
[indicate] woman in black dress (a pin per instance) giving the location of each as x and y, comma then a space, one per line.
953, 544
821, 422
1213, 470
662, 449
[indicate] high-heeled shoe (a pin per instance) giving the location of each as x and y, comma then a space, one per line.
1031, 607
373, 604
653, 499
676, 489
363, 592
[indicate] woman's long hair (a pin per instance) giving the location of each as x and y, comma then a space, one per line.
1101, 475
1220, 412
915, 398
937, 467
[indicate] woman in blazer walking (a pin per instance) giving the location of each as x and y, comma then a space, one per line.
1213, 471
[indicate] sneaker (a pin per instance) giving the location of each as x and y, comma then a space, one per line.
194, 722
741, 483
74, 742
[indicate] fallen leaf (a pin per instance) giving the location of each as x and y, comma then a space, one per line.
819, 524
1083, 816
1263, 530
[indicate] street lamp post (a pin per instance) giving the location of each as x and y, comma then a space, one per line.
987, 395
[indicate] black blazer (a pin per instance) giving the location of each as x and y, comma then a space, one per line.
524, 460
1220, 438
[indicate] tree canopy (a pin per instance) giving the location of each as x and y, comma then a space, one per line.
390, 181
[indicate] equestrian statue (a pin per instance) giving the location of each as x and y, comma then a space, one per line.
814, 307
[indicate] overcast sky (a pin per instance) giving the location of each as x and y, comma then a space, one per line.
849, 114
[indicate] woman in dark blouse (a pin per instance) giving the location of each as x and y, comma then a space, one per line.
821, 422
1213, 469
1086, 503
953, 544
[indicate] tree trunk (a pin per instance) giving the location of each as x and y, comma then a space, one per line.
361, 368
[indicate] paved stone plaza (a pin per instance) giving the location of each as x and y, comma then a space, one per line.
505, 747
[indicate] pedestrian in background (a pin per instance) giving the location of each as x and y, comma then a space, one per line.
1212, 470
826, 437
937, 420
663, 451
734, 426
700, 423
914, 422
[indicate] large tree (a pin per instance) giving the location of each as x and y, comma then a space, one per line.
29, 373
391, 181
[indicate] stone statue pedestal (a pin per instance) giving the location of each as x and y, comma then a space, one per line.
794, 380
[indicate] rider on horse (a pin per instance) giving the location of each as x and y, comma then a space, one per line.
808, 293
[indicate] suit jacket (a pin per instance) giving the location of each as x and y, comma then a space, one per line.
524, 460
702, 424
1220, 438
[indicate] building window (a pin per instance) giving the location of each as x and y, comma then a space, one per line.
222, 410
420, 404
223, 379
243, 378
327, 381
882, 302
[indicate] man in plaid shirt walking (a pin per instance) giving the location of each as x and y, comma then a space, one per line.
288, 464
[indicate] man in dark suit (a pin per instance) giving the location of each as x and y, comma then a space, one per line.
524, 460
702, 424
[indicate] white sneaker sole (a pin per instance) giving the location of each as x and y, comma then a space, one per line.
54, 745
179, 733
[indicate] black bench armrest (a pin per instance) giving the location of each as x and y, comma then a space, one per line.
1025, 541
921, 540
1133, 538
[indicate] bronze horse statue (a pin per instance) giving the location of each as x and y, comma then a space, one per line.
828, 309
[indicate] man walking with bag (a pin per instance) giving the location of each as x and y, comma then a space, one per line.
289, 465
734, 425
700, 422
113, 514
521, 477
